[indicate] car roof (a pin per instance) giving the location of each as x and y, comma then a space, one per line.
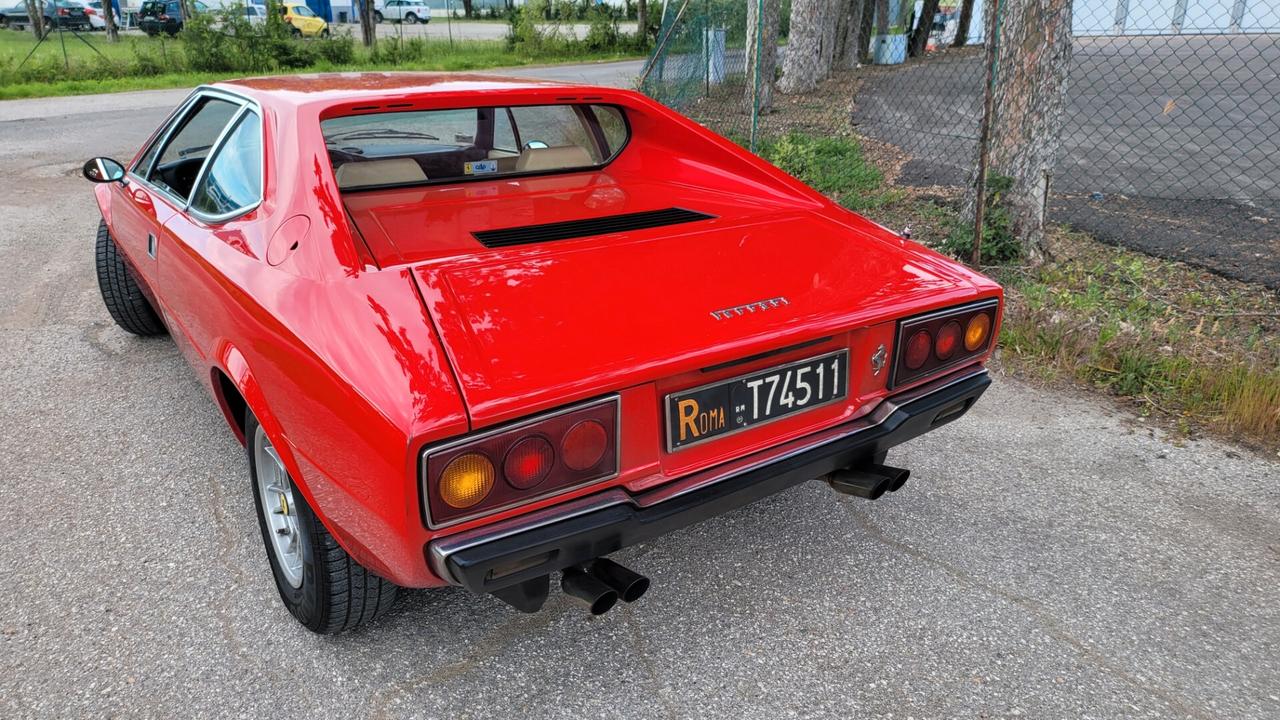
324, 89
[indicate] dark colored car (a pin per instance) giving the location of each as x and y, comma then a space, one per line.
67, 15
164, 16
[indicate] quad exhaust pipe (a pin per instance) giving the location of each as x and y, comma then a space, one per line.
868, 481
601, 583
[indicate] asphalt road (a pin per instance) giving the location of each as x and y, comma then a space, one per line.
1171, 144
1051, 557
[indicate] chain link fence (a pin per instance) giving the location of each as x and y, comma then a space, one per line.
1171, 126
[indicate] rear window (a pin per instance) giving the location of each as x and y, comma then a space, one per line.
428, 146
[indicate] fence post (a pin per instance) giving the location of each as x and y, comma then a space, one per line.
984, 133
755, 73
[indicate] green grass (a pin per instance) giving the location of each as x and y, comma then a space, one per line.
145, 63
834, 166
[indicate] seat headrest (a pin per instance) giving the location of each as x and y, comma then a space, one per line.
554, 158
390, 171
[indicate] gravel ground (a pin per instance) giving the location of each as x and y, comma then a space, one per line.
1051, 557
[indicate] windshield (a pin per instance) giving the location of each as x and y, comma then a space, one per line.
411, 147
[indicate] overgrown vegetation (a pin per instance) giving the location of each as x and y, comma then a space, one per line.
835, 166
216, 46
1188, 347
999, 244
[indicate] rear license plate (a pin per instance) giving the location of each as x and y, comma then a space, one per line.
731, 405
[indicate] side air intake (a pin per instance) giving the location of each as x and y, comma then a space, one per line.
527, 234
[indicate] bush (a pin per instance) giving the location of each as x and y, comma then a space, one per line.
999, 245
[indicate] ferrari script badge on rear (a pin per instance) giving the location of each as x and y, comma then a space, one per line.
751, 307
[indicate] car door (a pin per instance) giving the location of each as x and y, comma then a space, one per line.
217, 236
162, 180
136, 212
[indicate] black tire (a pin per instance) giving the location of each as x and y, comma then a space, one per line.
121, 294
296, 32
411, 19
337, 593
377, 16
324, 33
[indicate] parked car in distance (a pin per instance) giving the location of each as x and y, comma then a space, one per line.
9, 12
405, 11
97, 21
57, 14
164, 16
255, 14
304, 20
479, 331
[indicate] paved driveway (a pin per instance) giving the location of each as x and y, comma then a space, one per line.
1051, 557
1179, 137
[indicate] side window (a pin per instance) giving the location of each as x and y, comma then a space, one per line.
181, 159
504, 135
234, 178
612, 125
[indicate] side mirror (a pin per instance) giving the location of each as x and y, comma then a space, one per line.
103, 170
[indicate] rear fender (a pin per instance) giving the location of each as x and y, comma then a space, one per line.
233, 363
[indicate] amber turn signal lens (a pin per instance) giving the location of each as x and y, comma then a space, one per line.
466, 480
584, 445
976, 334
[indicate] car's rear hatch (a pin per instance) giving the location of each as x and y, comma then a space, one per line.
537, 322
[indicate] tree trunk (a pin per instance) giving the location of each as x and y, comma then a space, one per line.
109, 17
865, 28
962, 29
368, 23
802, 67
466, 8
924, 26
766, 64
1028, 101
35, 13
849, 38
642, 23
882, 17
832, 10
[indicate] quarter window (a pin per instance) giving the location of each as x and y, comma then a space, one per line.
180, 160
234, 178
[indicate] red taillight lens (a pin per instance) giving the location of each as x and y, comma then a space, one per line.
535, 458
528, 462
163, 18
918, 348
931, 343
948, 339
64, 12
584, 445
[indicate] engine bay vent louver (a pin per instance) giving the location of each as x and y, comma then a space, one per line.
527, 234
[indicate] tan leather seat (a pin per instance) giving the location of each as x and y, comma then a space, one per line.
554, 158
390, 171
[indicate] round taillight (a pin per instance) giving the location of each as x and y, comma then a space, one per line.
918, 349
528, 462
583, 446
948, 338
466, 480
976, 334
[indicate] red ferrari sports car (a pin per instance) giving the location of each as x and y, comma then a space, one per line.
476, 331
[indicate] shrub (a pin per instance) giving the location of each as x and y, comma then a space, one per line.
999, 245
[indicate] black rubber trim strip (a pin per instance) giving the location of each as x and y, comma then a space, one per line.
547, 232
551, 547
